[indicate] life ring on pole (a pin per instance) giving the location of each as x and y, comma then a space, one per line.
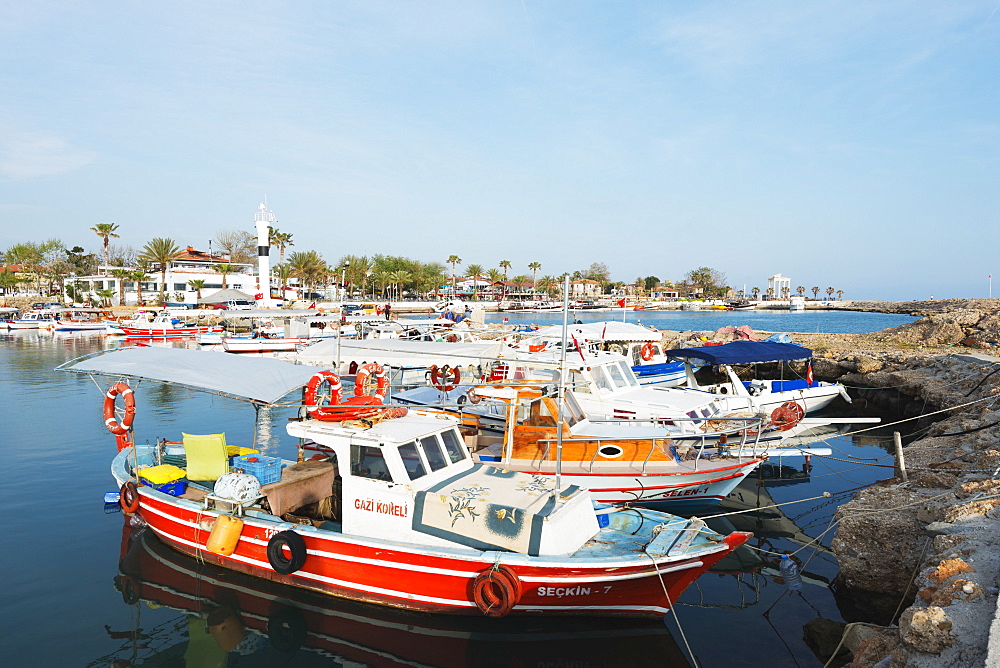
647, 351
445, 378
296, 547
787, 415
496, 591
110, 421
311, 398
128, 497
364, 374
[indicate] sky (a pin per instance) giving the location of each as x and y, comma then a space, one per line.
845, 145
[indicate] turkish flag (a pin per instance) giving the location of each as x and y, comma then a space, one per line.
809, 374
621, 303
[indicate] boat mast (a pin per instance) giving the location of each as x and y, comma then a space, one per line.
562, 387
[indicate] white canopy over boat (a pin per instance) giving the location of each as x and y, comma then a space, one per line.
401, 353
601, 331
258, 380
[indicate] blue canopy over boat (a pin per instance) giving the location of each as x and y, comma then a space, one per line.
743, 352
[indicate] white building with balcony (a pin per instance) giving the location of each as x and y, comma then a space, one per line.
190, 265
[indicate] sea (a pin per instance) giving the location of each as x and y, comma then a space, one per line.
83, 587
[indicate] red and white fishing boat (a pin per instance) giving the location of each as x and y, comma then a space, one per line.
229, 611
415, 523
158, 325
619, 462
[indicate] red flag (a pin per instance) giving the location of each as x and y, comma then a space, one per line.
621, 303
809, 374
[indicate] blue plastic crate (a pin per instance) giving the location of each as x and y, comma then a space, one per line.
265, 469
175, 488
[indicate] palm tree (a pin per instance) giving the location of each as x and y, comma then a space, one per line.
122, 275
105, 296
105, 231
283, 272
815, 290
520, 281
309, 267
829, 293
142, 267
800, 289
453, 260
383, 278
840, 294
197, 284
473, 271
784, 291
225, 269
755, 292
161, 251
280, 240
400, 278
505, 265
547, 284
534, 267
495, 277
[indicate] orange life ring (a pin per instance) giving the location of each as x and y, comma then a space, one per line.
496, 591
440, 377
361, 381
128, 497
787, 415
472, 396
451, 338
647, 351
110, 421
311, 398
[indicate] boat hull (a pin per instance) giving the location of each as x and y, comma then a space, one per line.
147, 332
435, 580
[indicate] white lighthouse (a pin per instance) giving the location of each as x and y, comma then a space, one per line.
264, 219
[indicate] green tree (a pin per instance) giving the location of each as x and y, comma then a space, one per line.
162, 252
548, 285
815, 291
534, 267
309, 267
829, 293
280, 240
650, 282
800, 289
453, 260
106, 296
122, 275
755, 292
198, 284
106, 231
142, 268
474, 271
710, 281
225, 269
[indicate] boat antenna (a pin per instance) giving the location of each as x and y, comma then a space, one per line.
562, 387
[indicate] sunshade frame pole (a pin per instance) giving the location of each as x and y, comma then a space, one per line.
562, 386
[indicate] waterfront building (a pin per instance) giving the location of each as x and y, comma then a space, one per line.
190, 265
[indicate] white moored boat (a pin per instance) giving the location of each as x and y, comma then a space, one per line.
410, 520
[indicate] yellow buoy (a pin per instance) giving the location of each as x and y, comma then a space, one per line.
225, 535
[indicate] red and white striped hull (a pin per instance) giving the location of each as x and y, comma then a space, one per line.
439, 580
237, 345
164, 332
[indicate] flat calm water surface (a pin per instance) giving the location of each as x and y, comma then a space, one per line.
831, 322
67, 604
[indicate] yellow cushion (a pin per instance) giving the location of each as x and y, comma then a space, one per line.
162, 474
206, 455
237, 451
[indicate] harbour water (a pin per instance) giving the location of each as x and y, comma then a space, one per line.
63, 602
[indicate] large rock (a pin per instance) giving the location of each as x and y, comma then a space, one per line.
926, 629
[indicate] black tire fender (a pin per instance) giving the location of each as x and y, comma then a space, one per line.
276, 554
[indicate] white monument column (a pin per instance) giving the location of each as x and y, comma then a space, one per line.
264, 220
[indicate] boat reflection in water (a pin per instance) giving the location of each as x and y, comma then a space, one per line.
231, 617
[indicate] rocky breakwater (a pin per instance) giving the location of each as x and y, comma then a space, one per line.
928, 547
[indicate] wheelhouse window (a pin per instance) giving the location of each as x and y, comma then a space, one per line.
411, 460
601, 379
433, 452
628, 375
454, 445
616, 376
367, 461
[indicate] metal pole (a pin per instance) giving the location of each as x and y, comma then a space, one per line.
562, 387
900, 462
